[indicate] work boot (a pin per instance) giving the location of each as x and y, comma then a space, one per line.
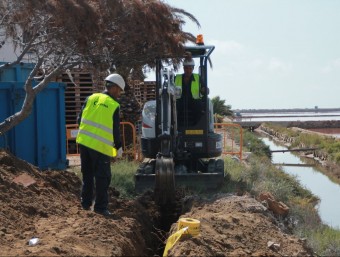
86, 208
105, 213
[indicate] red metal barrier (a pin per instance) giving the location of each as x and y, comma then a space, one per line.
133, 149
231, 144
72, 148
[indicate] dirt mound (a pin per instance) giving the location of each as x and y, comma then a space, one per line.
49, 209
46, 205
236, 226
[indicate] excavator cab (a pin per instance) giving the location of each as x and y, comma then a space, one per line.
178, 140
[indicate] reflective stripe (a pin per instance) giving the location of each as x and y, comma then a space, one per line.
97, 125
99, 138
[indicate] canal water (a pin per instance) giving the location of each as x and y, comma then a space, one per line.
312, 179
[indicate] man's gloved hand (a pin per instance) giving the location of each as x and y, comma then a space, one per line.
120, 153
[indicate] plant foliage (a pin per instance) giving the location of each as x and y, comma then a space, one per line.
115, 35
220, 107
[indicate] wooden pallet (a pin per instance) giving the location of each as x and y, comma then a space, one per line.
77, 92
135, 85
145, 91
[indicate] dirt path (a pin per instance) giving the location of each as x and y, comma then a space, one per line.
46, 205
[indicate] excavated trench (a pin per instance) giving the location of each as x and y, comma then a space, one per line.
48, 208
163, 219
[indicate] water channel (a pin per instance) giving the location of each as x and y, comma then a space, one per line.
312, 179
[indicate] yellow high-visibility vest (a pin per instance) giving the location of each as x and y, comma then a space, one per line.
96, 125
195, 85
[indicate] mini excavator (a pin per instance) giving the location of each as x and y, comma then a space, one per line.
178, 150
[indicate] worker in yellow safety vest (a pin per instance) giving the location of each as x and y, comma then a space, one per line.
99, 140
191, 90
189, 82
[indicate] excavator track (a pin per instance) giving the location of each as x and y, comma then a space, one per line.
164, 181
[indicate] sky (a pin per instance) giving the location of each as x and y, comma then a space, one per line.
270, 53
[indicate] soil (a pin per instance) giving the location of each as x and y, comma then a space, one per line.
46, 205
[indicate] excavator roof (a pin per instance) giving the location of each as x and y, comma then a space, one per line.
200, 50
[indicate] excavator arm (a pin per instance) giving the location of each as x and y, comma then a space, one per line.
164, 169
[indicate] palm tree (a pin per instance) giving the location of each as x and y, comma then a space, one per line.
220, 108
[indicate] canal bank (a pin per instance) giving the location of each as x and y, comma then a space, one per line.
310, 176
327, 147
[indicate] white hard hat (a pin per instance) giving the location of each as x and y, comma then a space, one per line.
189, 62
117, 79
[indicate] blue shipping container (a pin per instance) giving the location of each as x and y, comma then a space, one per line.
18, 72
40, 138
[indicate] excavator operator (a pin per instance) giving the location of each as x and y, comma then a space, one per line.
190, 84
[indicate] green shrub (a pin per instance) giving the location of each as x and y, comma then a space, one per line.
337, 158
333, 147
123, 172
307, 140
255, 145
325, 241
